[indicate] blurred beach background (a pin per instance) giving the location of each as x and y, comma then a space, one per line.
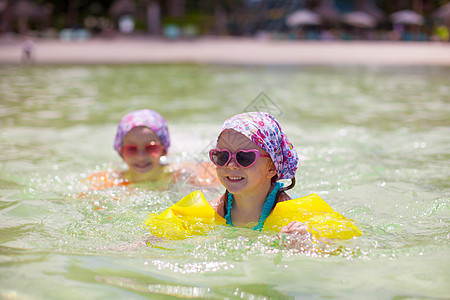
226, 31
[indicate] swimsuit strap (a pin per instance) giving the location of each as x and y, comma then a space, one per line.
230, 199
267, 208
268, 205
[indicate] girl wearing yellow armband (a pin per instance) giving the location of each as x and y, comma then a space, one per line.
251, 156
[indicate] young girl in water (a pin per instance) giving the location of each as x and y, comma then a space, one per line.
252, 155
142, 140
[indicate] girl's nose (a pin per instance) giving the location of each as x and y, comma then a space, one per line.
232, 164
141, 152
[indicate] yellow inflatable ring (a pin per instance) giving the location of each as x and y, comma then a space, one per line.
193, 215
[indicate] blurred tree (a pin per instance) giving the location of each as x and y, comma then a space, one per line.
176, 8
5, 15
153, 16
72, 15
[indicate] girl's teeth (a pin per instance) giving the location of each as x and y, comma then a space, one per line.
235, 178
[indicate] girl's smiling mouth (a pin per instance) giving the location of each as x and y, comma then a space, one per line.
235, 178
143, 165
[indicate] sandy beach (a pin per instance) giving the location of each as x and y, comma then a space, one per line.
229, 51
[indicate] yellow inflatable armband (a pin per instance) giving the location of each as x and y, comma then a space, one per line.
314, 212
193, 215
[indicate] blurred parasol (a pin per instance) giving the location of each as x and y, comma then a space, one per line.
303, 17
407, 17
359, 19
442, 13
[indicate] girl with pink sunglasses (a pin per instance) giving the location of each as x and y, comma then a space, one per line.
252, 155
142, 140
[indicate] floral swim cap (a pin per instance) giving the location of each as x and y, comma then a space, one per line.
144, 117
265, 131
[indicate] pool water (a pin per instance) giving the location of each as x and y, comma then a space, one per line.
374, 142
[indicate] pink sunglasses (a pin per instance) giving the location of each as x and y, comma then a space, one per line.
151, 148
243, 158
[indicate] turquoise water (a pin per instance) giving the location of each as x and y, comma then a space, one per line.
373, 141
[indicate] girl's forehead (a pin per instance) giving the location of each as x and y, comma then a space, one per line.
141, 134
233, 140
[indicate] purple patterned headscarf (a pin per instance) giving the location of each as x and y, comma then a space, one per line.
265, 131
144, 117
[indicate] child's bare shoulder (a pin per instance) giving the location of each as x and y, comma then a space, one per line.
218, 204
284, 197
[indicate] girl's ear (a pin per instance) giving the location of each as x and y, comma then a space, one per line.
272, 171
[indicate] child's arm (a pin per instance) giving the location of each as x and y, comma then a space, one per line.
298, 236
196, 174
297, 228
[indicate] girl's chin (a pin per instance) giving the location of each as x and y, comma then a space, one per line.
144, 169
234, 186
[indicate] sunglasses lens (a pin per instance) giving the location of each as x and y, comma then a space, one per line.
220, 158
129, 150
245, 159
153, 149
